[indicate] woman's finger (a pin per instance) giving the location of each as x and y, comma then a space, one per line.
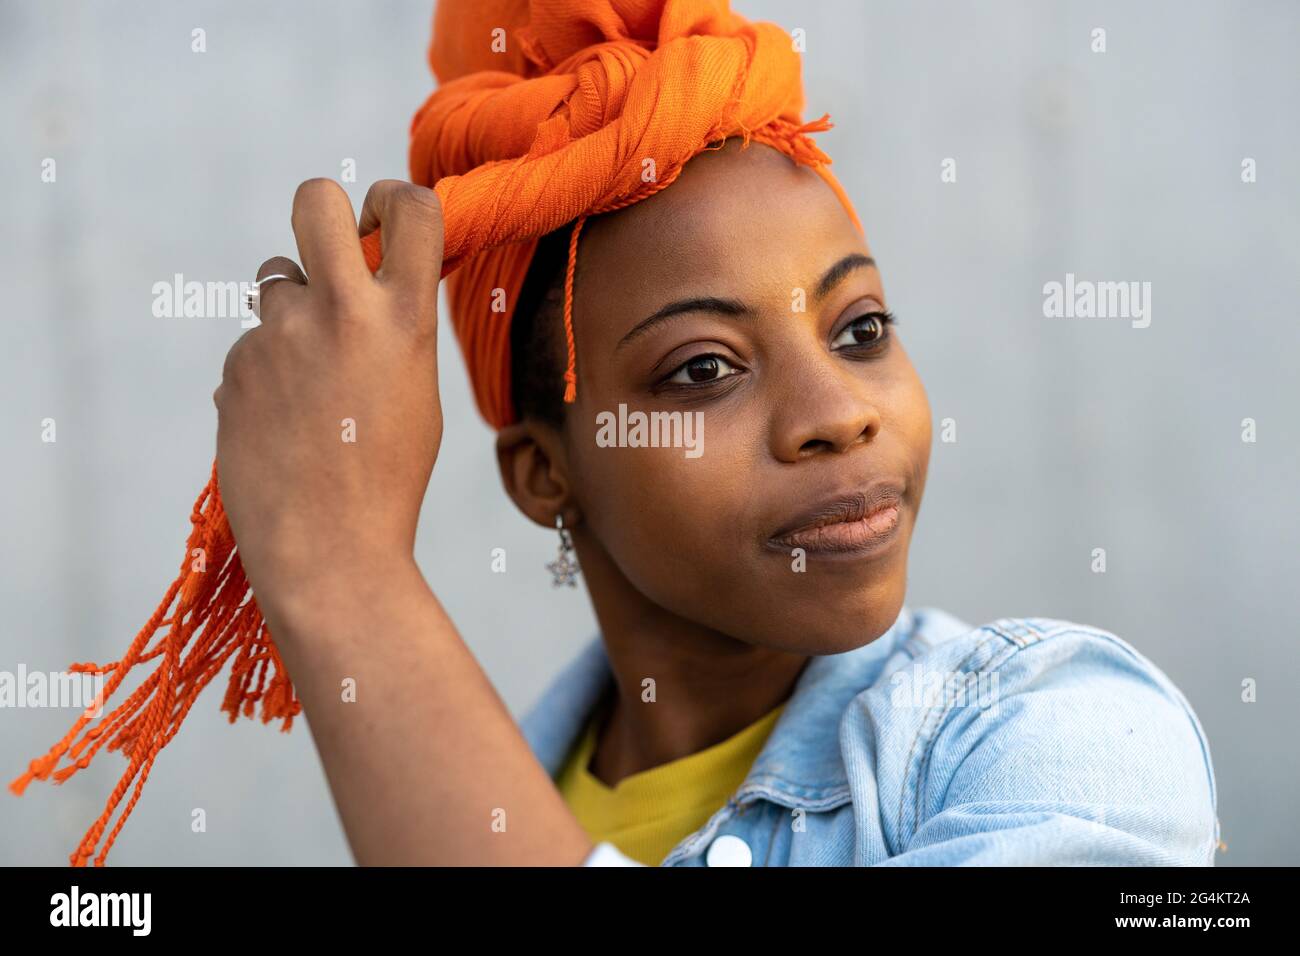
326, 231
280, 290
410, 238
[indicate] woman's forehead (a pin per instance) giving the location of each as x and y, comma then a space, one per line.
734, 219
720, 186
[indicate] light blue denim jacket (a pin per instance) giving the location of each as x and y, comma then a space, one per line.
1028, 741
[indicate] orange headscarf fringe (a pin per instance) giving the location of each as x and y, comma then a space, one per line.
513, 153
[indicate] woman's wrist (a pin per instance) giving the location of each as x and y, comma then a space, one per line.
336, 602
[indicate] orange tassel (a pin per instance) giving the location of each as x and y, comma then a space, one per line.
570, 376
214, 622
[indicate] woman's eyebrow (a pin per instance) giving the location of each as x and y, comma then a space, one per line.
734, 307
706, 303
837, 273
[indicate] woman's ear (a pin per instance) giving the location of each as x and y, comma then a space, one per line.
534, 471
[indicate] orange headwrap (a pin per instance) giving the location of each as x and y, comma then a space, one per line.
546, 113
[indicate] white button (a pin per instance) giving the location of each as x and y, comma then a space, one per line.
729, 850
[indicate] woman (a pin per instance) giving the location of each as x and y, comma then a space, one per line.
760, 693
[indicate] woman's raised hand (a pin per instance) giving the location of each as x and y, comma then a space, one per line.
329, 419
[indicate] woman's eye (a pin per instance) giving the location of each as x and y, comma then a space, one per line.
701, 370
866, 330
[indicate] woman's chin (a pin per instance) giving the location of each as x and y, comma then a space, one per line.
834, 627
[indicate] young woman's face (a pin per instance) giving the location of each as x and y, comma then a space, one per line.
806, 399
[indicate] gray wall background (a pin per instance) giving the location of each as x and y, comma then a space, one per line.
1072, 433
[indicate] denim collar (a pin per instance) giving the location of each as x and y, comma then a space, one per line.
800, 765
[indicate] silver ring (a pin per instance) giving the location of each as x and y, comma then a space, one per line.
252, 298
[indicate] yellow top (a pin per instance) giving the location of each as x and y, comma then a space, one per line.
648, 813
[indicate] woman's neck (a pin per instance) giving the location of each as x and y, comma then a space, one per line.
678, 687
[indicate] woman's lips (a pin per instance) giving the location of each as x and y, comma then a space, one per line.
860, 524
868, 533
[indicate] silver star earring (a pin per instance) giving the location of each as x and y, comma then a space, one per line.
564, 567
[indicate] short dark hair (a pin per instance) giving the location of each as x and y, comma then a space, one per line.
538, 356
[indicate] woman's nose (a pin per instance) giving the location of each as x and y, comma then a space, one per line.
828, 408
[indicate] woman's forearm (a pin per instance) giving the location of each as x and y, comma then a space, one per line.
335, 396
425, 762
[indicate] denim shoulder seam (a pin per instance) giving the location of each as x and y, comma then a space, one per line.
1151, 669
1023, 633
